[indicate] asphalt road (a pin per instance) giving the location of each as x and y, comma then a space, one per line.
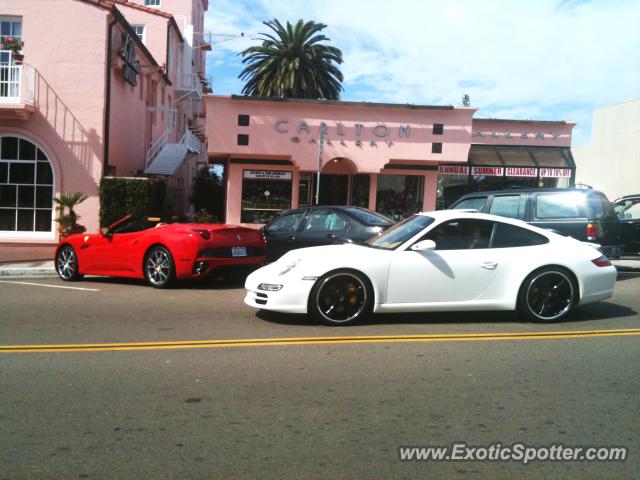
292, 410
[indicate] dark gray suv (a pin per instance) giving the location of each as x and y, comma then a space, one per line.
584, 214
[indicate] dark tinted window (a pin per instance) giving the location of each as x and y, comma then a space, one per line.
243, 139
324, 220
436, 147
475, 203
438, 128
368, 217
286, 223
560, 205
512, 206
243, 120
511, 236
461, 234
599, 206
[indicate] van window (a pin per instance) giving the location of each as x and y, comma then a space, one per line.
512, 206
599, 206
560, 205
475, 203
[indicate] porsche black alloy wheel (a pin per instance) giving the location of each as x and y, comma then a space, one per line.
340, 298
547, 295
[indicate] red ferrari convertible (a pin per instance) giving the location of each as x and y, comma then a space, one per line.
146, 247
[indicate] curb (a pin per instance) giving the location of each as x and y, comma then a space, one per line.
627, 265
23, 269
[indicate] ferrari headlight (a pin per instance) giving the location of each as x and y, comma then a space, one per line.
270, 287
290, 267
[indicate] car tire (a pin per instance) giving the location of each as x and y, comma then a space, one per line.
67, 264
547, 295
341, 297
159, 269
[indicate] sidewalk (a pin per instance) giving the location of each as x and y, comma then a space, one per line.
19, 259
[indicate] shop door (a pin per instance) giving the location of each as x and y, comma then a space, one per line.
334, 189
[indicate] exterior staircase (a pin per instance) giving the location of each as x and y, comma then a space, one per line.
166, 158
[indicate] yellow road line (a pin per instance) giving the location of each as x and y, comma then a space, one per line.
265, 342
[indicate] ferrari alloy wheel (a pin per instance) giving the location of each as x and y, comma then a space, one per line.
547, 295
158, 268
340, 297
67, 264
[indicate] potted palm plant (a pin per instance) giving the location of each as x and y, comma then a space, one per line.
15, 45
67, 217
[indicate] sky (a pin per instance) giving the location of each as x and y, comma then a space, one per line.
516, 59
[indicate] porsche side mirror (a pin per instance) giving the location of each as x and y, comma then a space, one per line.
104, 231
423, 246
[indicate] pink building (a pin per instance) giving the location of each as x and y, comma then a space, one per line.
106, 88
396, 159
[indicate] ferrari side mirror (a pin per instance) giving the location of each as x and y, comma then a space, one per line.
104, 231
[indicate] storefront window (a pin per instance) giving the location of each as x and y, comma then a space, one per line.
450, 188
305, 189
399, 196
360, 190
265, 194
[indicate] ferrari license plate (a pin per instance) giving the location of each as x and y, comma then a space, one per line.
239, 251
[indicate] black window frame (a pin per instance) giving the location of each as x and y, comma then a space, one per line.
438, 129
242, 138
436, 147
509, 225
243, 120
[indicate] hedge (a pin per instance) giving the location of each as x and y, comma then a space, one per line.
121, 196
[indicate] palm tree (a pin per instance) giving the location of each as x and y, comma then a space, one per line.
69, 220
292, 63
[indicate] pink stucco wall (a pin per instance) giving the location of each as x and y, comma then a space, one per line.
290, 130
69, 93
266, 142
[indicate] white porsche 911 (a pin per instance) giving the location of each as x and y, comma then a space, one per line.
448, 260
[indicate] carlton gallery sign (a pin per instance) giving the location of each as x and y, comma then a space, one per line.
380, 133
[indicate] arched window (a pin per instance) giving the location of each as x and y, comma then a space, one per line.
26, 187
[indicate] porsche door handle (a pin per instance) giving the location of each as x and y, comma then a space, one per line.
331, 236
489, 265
291, 237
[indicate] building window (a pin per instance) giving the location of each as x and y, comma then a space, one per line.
26, 187
436, 147
243, 120
399, 196
360, 190
438, 128
265, 194
152, 3
139, 29
10, 27
243, 139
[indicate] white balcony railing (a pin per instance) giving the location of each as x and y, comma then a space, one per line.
17, 84
189, 82
157, 146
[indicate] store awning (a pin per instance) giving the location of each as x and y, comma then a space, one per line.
509, 161
507, 156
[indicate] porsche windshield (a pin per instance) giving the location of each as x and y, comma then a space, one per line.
400, 232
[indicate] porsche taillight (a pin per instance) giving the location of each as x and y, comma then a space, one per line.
205, 234
602, 261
